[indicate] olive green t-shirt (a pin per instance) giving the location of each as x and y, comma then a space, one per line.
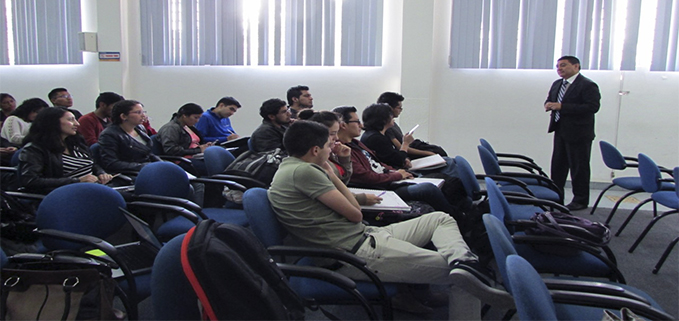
293, 194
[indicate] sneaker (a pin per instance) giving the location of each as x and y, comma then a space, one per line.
470, 277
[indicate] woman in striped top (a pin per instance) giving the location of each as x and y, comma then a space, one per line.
56, 155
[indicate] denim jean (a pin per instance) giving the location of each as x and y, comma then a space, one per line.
428, 193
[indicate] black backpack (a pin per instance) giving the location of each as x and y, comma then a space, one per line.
234, 276
261, 166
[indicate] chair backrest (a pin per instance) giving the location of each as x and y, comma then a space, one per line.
3, 258
217, 159
262, 218
499, 206
487, 145
156, 145
468, 178
532, 298
676, 180
650, 174
95, 149
163, 178
490, 164
173, 297
82, 208
612, 156
500, 241
14, 161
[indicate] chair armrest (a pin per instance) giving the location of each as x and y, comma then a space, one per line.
316, 252
519, 156
173, 158
165, 208
97, 243
592, 287
342, 256
28, 196
544, 204
609, 259
248, 182
86, 240
514, 181
318, 273
609, 302
531, 168
211, 181
8, 169
159, 199
335, 278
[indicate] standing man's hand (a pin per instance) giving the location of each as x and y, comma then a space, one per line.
552, 106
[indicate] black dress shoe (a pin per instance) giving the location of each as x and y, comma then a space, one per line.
573, 206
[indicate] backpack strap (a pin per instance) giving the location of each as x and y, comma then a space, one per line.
191, 276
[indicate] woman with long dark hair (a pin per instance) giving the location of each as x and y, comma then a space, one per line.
17, 125
124, 145
55, 154
179, 137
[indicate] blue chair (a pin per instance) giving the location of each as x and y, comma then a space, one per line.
173, 297
665, 198
264, 224
519, 202
506, 212
517, 160
616, 161
537, 185
652, 183
587, 262
217, 159
535, 301
80, 216
167, 183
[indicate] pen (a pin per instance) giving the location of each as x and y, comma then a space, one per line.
380, 194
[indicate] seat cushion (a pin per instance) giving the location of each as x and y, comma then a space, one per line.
227, 215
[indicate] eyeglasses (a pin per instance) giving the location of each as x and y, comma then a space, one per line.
353, 121
286, 110
139, 112
65, 96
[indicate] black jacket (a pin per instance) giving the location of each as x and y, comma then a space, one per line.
579, 104
42, 171
176, 140
120, 152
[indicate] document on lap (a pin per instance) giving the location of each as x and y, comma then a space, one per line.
429, 162
390, 200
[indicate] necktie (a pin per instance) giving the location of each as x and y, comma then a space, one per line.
562, 90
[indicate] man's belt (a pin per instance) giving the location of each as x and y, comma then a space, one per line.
359, 243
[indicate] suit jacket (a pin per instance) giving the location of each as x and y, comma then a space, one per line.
578, 106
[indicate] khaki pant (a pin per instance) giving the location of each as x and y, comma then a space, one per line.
395, 254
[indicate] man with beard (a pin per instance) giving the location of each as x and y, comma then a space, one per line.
275, 119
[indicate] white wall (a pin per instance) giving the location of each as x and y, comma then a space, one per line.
455, 107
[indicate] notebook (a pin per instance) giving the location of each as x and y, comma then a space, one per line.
420, 180
430, 162
390, 200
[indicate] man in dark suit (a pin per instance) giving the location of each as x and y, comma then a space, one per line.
573, 101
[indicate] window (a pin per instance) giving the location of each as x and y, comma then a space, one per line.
532, 34
262, 32
39, 32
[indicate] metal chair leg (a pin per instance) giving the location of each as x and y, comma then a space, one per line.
599, 198
617, 204
665, 255
629, 218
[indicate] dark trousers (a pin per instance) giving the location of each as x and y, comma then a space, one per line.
573, 157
